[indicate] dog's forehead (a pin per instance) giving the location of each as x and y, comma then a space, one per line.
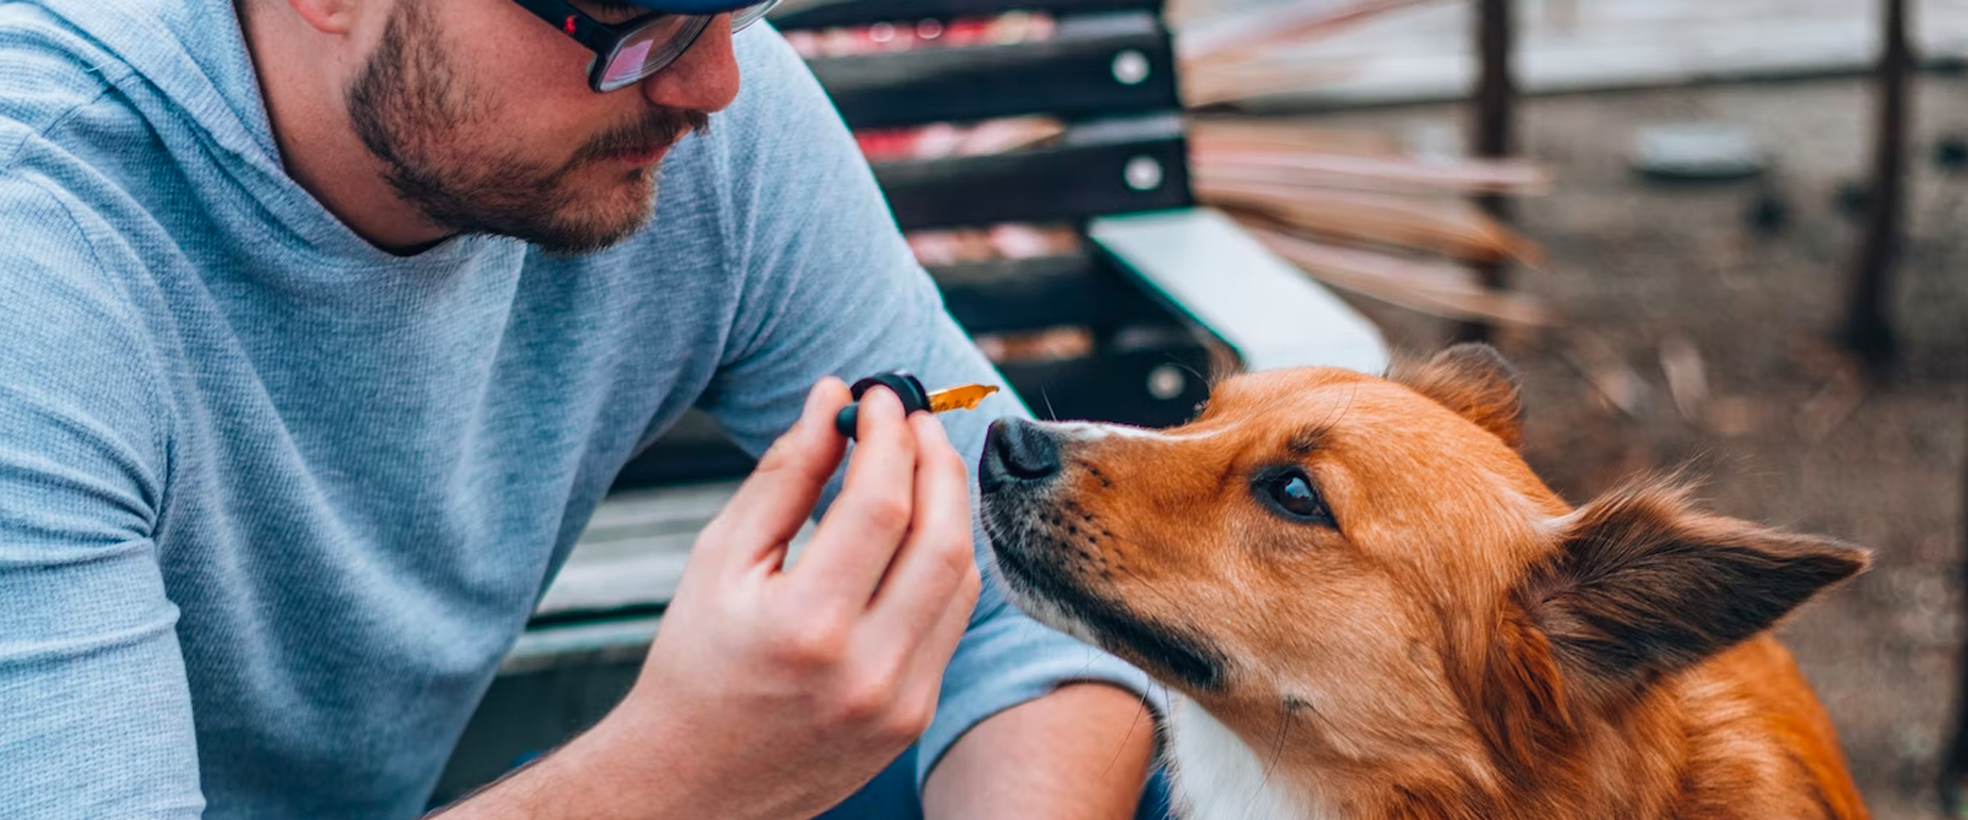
1327, 408
1268, 386
1307, 394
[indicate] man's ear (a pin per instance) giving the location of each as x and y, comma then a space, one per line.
325, 16
1643, 586
1473, 380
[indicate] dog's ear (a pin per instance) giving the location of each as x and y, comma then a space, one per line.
1473, 380
1645, 586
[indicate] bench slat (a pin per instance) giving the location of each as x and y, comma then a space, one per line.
1101, 167
1015, 295
829, 13
1071, 74
1236, 289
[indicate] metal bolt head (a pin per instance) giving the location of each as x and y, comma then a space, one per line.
1143, 173
1166, 382
1130, 67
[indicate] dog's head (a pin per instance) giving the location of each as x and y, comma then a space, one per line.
1373, 556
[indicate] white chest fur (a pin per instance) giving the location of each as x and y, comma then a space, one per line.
1217, 777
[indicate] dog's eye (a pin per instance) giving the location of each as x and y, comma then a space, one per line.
1291, 492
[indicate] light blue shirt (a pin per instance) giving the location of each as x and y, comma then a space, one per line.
274, 503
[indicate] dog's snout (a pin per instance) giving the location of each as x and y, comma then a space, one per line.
1019, 450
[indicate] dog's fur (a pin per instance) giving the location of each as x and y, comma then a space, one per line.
1443, 636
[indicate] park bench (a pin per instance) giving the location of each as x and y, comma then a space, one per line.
1158, 291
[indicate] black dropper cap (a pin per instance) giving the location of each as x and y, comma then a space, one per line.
905, 386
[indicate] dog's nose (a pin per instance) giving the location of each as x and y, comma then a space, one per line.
1018, 450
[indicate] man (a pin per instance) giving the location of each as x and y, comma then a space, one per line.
328, 322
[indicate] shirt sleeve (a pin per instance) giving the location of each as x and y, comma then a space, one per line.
95, 712
830, 287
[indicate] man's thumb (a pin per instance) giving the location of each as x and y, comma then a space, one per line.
776, 499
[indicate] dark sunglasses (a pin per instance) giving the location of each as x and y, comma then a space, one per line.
628, 52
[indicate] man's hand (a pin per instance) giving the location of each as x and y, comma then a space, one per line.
774, 692
795, 687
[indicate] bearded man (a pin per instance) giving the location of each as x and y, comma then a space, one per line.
327, 324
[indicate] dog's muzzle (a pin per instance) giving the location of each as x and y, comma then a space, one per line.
1021, 476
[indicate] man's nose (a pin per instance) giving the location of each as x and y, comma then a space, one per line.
704, 79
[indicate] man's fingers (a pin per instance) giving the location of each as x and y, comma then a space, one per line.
928, 659
937, 559
767, 511
858, 537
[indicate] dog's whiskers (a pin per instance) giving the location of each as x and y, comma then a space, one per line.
1277, 753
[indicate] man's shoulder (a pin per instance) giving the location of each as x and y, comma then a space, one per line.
71, 153
69, 145
65, 215
77, 345
47, 73
65, 128
68, 266
60, 263
63, 270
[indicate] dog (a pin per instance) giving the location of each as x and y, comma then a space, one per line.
1368, 607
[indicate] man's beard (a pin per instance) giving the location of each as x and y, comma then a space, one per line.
416, 115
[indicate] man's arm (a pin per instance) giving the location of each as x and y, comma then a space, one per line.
95, 710
831, 288
1082, 751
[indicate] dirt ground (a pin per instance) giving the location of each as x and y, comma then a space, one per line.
1783, 438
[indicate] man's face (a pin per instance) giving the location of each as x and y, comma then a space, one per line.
510, 143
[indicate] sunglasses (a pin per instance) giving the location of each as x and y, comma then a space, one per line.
628, 52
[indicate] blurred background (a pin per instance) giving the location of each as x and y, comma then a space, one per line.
1725, 237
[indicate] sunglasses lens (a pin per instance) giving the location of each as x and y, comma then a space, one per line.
740, 18
664, 39
651, 48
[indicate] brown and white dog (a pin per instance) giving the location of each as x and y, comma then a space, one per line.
1372, 609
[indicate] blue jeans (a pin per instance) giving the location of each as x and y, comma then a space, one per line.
892, 796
